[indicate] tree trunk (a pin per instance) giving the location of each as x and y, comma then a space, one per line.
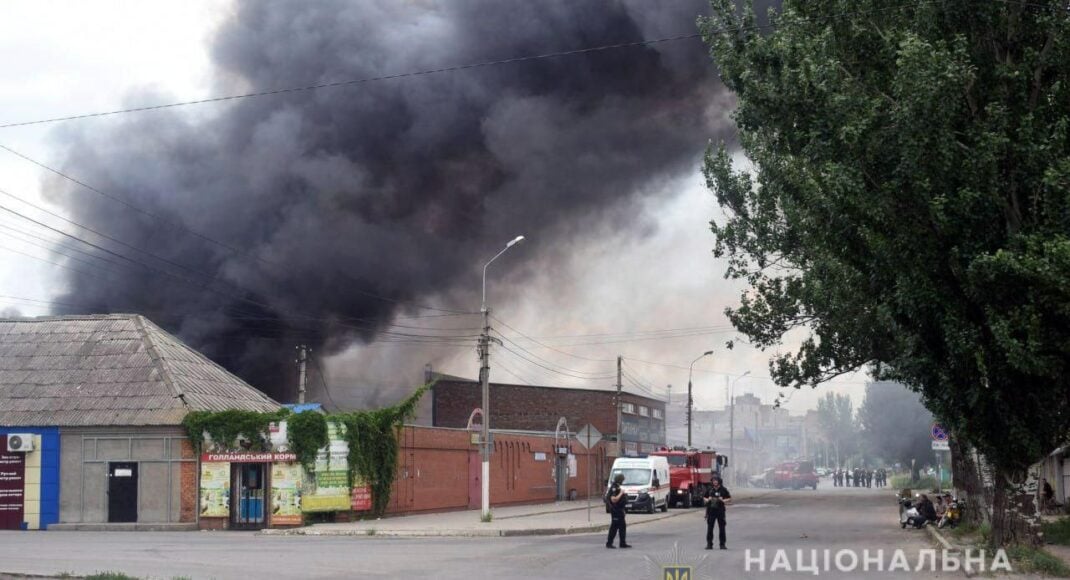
1002, 528
966, 478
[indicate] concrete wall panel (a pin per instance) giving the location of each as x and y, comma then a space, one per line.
150, 449
95, 486
113, 449
70, 479
153, 500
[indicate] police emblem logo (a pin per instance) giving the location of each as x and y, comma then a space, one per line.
676, 572
677, 564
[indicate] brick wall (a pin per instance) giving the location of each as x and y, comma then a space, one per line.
529, 408
439, 470
190, 495
214, 524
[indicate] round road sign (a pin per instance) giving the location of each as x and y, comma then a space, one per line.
938, 432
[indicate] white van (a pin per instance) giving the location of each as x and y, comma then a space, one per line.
646, 482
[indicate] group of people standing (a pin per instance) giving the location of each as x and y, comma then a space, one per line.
859, 477
716, 498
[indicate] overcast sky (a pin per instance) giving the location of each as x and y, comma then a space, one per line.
656, 273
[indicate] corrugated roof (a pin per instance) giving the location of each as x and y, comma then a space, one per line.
109, 369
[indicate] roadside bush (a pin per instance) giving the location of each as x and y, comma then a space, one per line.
1057, 532
1032, 560
923, 484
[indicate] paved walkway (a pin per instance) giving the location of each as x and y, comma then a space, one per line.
530, 520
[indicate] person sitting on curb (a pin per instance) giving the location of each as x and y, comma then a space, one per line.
926, 511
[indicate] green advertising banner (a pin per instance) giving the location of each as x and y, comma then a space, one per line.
328, 488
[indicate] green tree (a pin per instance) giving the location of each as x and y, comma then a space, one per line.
895, 424
910, 205
835, 413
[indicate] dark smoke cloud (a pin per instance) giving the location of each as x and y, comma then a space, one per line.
394, 188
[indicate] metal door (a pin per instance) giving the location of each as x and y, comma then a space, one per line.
561, 476
475, 489
122, 492
247, 510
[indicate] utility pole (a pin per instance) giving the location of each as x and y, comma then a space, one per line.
732, 420
302, 355
484, 381
690, 399
620, 407
732, 432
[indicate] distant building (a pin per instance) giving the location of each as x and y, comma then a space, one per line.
96, 403
538, 408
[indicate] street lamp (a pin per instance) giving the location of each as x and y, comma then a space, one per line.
690, 400
484, 380
732, 419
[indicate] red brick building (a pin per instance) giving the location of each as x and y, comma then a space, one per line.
538, 408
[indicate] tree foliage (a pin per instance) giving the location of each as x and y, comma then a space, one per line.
835, 413
895, 424
910, 205
373, 445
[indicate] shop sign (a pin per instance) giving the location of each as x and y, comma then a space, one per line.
215, 490
286, 481
247, 457
362, 498
12, 479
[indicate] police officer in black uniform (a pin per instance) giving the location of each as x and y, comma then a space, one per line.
716, 498
617, 502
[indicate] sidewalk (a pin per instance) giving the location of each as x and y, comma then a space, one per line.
551, 519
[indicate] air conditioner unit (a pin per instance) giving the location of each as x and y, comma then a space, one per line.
20, 442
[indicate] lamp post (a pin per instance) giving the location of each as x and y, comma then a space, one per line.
484, 380
690, 399
732, 420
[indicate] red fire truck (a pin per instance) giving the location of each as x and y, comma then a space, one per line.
690, 471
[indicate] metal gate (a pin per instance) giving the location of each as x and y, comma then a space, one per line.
247, 507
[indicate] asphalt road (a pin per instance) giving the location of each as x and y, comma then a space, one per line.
829, 518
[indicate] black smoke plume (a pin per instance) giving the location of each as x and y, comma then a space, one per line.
348, 205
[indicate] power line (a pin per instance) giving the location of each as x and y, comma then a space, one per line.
323, 381
181, 227
510, 341
202, 285
567, 374
484, 64
359, 81
97, 233
53, 249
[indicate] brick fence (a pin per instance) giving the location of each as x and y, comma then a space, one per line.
439, 470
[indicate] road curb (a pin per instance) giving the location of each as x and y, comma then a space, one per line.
468, 533
943, 541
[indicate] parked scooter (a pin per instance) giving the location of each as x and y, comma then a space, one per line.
908, 514
953, 515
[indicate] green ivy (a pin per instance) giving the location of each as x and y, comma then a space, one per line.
373, 445
372, 437
224, 427
307, 434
